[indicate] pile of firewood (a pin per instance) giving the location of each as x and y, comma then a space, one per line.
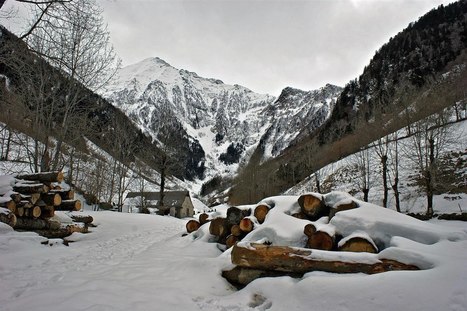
34, 198
259, 260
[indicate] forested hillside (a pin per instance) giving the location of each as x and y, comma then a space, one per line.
420, 71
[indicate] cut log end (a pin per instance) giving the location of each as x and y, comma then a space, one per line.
321, 240
231, 241
260, 213
309, 230
246, 225
203, 218
358, 244
312, 206
192, 226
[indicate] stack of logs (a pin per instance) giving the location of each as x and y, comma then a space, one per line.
33, 203
257, 260
238, 223
229, 230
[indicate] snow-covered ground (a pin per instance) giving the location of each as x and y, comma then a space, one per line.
142, 262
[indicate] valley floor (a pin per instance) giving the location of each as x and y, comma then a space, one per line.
142, 262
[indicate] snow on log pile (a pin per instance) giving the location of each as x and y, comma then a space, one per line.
334, 232
29, 202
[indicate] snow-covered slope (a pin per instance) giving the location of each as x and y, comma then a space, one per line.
226, 121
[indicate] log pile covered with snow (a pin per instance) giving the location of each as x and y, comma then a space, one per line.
29, 203
334, 232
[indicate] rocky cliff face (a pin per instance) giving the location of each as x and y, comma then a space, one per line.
219, 125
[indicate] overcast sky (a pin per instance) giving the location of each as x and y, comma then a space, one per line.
263, 45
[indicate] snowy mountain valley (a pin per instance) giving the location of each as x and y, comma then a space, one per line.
224, 123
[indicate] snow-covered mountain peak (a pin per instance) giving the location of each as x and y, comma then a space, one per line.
222, 123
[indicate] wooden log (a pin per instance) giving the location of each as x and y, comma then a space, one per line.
246, 225
34, 212
64, 194
19, 211
7, 217
287, 259
236, 231
341, 207
203, 218
260, 212
358, 244
69, 205
192, 225
30, 188
231, 241
240, 277
43, 177
218, 228
86, 219
36, 224
32, 198
62, 232
299, 215
10, 205
309, 230
53, 199
47, 211
312, 206
25, 204
16, 197
235, 215
321, 240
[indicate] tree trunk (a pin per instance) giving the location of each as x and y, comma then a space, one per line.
395, 187
294, 260
162, 188
384, 163
365, 191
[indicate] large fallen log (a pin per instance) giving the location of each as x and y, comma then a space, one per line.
313, 206
69, 205
46, 177
36, 224
7, 217
294, 260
